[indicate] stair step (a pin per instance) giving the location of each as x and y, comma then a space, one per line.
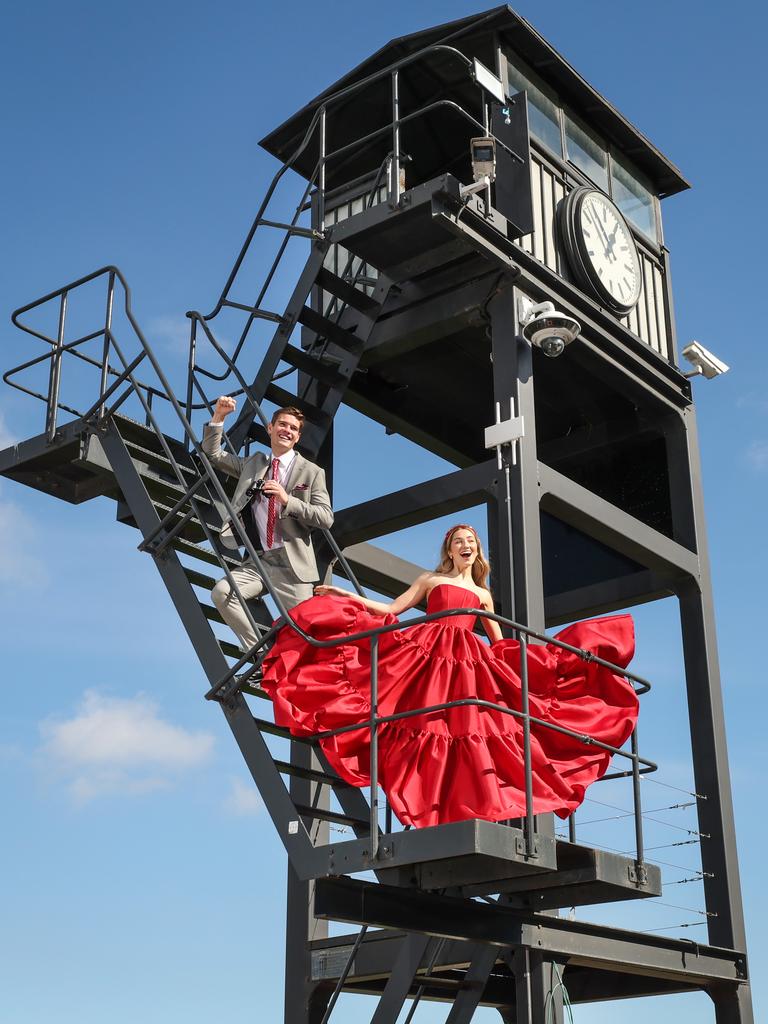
347, 292
132, 431
199, 579
210, 612
326, 328
231, 650
286, 768
159, 460
326, 373
188, 547
336, 817
447, 984
280, 730
192, 529
281, 397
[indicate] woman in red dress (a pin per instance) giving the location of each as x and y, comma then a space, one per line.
463, 762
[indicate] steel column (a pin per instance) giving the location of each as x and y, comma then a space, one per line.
302, 1005
519, 583
400, 982
719, 859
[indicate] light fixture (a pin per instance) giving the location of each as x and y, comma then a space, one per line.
703, 362
548, 329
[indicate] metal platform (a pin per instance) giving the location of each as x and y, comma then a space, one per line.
598, 962
431, 228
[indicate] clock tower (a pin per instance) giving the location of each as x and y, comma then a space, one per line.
464, 199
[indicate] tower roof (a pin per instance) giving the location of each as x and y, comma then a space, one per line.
473, 35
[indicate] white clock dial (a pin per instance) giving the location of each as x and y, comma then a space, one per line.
600, 249
610, 249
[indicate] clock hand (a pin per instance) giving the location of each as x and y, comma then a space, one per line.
595, 221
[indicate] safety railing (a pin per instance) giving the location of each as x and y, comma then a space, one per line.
113, 377
335, 309
110, 376
229, 684
639, 765
318, 132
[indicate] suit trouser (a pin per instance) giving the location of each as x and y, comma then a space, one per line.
251, 585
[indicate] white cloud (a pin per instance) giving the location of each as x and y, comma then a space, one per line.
753, 400
120, 746
757, 455
172, 332
243, 798
18, 541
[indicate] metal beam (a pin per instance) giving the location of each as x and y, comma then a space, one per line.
606, 596
586, 944
719, 858
598, 518
302, 1002
410, 955
475, 980
381, 571
375, 407
378, 952
412, 505
429, 318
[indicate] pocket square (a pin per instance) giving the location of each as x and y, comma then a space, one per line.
301, 487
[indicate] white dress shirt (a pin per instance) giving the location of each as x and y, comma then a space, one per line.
260, 504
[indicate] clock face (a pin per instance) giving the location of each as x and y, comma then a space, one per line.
600, 249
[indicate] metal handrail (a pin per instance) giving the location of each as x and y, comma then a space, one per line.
59, 348
318, 122
145, 394
524, 633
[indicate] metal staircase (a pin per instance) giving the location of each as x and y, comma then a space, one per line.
166, 489
153, 465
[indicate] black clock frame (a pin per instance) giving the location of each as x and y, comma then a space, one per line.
575, 248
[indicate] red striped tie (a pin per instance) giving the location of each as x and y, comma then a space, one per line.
272, 508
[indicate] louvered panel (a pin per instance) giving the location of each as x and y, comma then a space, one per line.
650, 304
559, 195
538, 220
661, 318
338, 257
642, 309
548, 215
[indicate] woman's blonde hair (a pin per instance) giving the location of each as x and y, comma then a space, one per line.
480, 566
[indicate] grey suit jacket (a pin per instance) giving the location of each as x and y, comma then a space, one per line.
309, 505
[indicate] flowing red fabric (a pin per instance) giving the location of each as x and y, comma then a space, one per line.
464, 762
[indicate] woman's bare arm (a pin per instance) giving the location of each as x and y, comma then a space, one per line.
492, 628
409, 599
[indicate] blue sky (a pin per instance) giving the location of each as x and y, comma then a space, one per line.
135, 860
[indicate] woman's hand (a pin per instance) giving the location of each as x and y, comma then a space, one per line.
322, 590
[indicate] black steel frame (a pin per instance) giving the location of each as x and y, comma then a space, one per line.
517, 489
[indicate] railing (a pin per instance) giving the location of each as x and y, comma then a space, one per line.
228, 685
112, 378
60, 349
316, 188
524, 633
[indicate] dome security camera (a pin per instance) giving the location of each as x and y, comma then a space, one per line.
548, 329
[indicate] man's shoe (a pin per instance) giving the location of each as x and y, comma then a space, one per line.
251, 681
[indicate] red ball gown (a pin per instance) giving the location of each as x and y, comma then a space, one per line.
465, 762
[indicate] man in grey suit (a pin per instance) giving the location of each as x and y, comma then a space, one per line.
278, 515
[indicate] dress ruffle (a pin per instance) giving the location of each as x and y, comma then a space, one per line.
464, 762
